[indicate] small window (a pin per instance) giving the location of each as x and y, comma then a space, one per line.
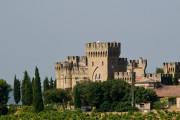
141, 105
99, 76
92, 63
96, 77
102, 63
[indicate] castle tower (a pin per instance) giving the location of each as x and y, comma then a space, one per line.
63, 75
139, 67
103, 60
172, 68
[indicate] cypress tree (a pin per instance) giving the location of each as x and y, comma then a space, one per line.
37, 93
77, 98
17, 92
55, 83
51, 83
46, 84
26, 90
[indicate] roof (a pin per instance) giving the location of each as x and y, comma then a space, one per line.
168, 91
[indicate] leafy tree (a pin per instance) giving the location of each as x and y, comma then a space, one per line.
17, 91
4, 93
159, 70
145, 95
110, 95
27, 95
58, 96
175, 80
46, 84
37, 93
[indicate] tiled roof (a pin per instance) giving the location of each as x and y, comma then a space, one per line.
168, 91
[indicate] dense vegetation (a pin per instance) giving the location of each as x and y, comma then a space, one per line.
110, 95
4, 92
51, 113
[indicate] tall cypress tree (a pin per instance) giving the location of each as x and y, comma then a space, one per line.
77, 98
17, 91
37, 93
55, 83
26, 90
51, 83
46, 84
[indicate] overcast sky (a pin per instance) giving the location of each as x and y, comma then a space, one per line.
41, 32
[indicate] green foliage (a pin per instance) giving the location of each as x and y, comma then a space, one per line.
110, 95
25, 113
27, 95
175, 81
159, 70
4, 93
58, 96
51, 84
46, 85
145, 95
37, 93
77, 98
17, 91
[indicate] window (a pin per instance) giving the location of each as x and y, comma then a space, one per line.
99, 76
96, 77
102, 63
92, 63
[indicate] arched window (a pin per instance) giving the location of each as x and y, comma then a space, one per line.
99, 76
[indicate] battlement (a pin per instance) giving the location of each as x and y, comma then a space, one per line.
103, 45
103, 49
171, 64
127, 76
63, 65
138, 61
166, 75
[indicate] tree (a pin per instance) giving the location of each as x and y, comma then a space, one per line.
58, 96
159, 70
77, 98
46, 84
175, 80
51, 84
110, 95
145, 95
55, 83
4, 93
37, 93
27, 95
17, 91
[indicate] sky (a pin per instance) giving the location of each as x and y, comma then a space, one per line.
42, 32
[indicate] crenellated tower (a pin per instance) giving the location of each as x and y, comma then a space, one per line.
103, 60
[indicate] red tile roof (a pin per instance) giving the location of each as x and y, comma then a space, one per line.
168, 91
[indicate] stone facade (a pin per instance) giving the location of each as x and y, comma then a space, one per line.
172, 68
102, 61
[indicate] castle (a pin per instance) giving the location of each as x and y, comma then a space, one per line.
102, 62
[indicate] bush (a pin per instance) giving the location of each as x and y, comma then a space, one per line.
3, 110
105, 107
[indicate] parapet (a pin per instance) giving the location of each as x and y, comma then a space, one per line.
103, 45
123, 60
171, 63
166, 75
139, 61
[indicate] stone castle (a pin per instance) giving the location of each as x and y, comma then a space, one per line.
102, 62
